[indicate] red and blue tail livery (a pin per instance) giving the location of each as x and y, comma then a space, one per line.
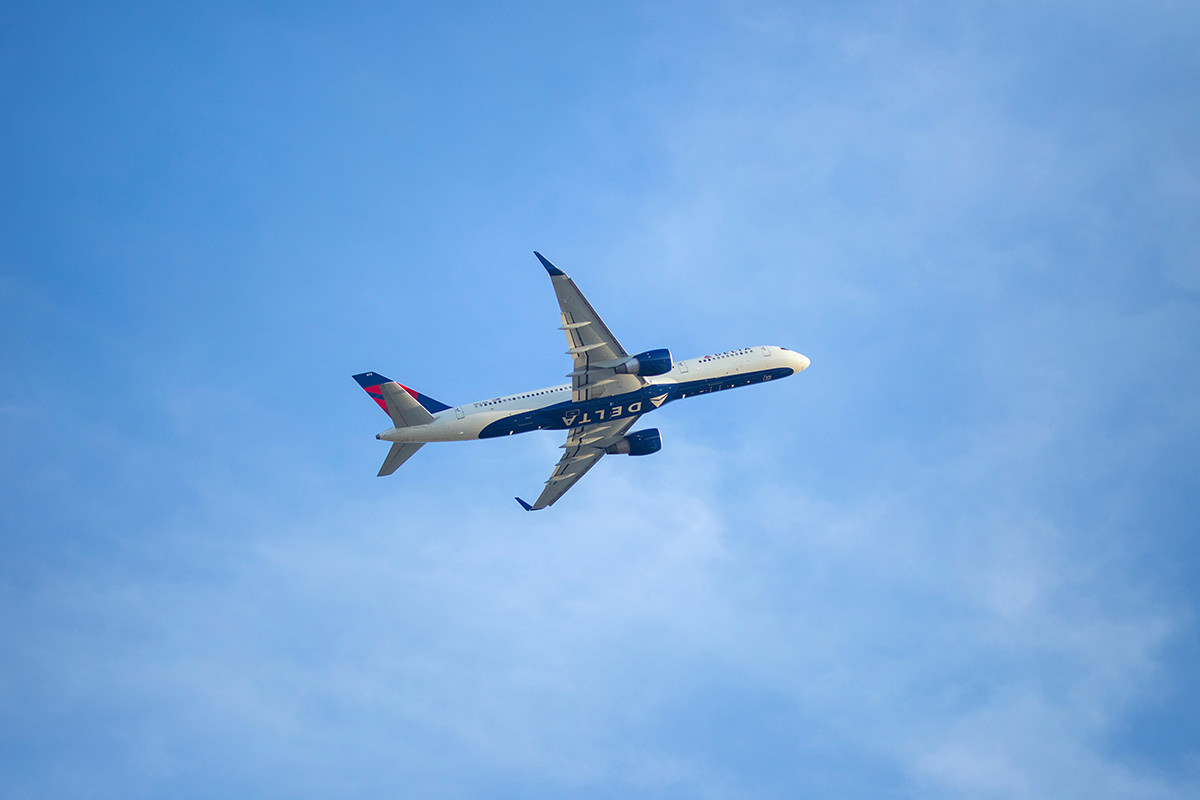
609, 391
372, 381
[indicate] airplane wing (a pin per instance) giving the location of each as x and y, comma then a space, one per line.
585, 446
590, 342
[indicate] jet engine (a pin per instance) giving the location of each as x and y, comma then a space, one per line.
638, 443
649, 363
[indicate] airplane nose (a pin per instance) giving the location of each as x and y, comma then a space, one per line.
803, 362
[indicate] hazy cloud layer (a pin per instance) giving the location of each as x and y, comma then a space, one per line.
955, 558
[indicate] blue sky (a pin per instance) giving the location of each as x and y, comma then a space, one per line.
957, 557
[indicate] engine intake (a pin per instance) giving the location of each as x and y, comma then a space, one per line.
647, 364
638, 443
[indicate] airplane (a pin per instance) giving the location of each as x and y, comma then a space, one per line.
609, 392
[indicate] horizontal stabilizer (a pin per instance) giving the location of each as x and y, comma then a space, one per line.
400, 452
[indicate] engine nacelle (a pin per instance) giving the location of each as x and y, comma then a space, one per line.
638, 443
647, 364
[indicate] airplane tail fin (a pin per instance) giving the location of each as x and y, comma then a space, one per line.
405, 406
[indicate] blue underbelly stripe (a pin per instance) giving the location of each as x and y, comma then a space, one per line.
568, 414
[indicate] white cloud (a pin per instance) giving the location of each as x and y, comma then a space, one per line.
925, 558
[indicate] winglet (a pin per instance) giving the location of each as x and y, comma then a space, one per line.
553, 270
524, 505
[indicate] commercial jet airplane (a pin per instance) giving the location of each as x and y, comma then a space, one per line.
609, 391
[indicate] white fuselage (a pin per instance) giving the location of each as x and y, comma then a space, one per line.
695, 376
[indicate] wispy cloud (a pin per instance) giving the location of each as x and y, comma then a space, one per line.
954, 558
